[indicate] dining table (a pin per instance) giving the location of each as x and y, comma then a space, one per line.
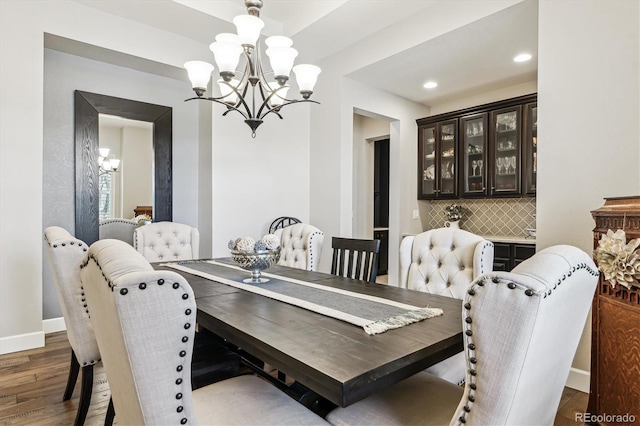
335, 359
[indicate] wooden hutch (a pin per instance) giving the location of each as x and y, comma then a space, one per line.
615, 341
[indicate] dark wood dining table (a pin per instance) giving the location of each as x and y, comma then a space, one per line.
335, 359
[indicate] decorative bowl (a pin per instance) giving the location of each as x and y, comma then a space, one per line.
256, 262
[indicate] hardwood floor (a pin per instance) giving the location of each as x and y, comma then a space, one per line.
32, 383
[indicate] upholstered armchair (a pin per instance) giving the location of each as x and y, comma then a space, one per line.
444, 261
521, 330
167, 241
65, 254
117, 228
300, 246
144, 324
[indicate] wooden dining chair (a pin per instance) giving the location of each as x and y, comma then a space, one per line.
355, 258
520, 334
144, 324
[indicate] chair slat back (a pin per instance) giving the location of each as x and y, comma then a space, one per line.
359, 257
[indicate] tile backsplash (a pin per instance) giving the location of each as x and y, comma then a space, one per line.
503, 217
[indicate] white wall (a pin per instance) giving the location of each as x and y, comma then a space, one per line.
365, 131
257, 180
589, 119
137, 170
485, 97
332, 125
22, 29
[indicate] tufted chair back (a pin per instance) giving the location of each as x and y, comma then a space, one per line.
167, 241
300, 246
520, 334
117, 228
65, 254
143, 321
444, 261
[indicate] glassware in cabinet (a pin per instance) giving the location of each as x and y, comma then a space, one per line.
531, 148
448, 149
506, 150
474, 154
427, 156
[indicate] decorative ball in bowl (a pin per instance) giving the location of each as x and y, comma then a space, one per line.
255, 257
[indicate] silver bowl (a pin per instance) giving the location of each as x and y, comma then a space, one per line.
256, 262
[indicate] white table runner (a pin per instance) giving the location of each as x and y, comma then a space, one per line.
374, 314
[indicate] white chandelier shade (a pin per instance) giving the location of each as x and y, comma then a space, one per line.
106, 164
248, 28
253, 91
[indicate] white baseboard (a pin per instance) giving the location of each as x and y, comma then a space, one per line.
579, 380
21, 342
53, 325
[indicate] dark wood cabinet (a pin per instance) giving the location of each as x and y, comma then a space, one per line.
530, 157
505, 151
615, 337
491, 153
438, 160
509, 255
473, 132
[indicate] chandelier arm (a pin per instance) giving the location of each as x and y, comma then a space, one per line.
217, 100
241, 100
265, 101
293, 101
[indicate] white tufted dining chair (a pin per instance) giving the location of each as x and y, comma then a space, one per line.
117, 228
521, 330
167, 241
143, 322
65, 254
444, 261
300, 246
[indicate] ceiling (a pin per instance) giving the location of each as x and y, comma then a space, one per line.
471, 59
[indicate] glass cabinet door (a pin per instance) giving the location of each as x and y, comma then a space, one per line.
427, 185
506, 149
531, 148
448, 159
474, 163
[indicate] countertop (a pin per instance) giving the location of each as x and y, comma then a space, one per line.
509, 239
502, 238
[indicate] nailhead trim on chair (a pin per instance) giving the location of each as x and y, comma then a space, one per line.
471, 346
83, 300
310, 267
484, 246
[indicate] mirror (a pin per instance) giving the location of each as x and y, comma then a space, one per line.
126, 167
87, 108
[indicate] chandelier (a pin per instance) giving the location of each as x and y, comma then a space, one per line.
249, 92
106, 163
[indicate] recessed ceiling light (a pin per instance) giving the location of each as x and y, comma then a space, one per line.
430, 85
523, 57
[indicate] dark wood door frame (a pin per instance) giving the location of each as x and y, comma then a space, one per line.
87, 107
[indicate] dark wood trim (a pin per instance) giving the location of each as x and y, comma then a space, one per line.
87, 107
462, 113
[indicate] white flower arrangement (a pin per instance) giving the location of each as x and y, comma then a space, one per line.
455, 212
619, 260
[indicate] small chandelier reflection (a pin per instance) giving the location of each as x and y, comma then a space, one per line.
251, 94
107, 164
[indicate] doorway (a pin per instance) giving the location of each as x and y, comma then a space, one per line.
381, 202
